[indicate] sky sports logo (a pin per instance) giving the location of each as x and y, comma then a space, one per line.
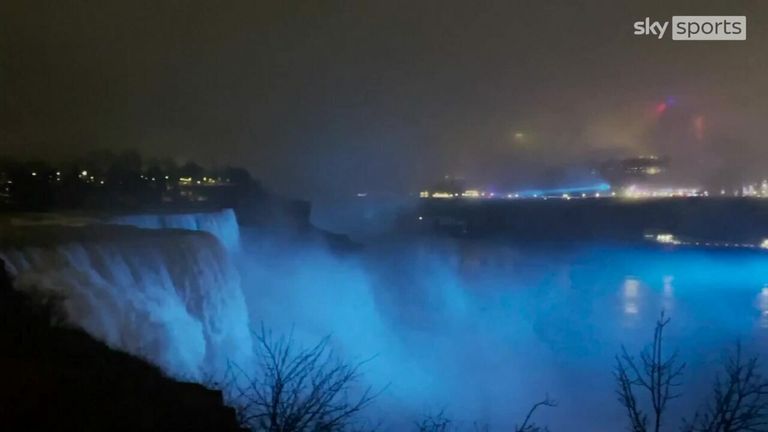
696, 28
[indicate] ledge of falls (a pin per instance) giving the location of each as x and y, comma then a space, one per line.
161, 286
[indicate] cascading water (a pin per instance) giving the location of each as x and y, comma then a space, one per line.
222, 224
171, 296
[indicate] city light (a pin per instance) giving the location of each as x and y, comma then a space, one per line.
601, 190
442, 195
635, 192
666, 238
670, 239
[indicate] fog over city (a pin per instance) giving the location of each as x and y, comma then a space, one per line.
391, 94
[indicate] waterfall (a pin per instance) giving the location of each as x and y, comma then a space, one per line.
222, 224
170, 296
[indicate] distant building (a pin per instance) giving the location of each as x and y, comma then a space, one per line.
624, 172
448, 187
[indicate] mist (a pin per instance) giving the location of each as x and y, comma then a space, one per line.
483, 330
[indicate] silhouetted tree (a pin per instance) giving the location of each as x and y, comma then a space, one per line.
528, 425
238, 176
125, 170
31, 187
656, 375
739, 401
297, 389
434, 423
440, 422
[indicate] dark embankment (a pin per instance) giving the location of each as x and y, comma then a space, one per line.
58, 378
717, 219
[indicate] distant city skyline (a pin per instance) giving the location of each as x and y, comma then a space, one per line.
327, 99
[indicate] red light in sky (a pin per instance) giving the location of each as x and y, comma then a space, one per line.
698, 127
660, 108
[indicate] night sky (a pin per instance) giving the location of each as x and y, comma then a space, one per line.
326, 98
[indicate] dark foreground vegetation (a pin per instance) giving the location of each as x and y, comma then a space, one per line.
738, 401
54, 378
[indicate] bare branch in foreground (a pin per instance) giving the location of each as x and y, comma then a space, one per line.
739, 401
297, 389
655, 374
528, 425
435, 423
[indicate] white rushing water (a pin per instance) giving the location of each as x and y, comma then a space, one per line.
222, 224
170, 296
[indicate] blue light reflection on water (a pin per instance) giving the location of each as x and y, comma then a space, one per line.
718, 292
583, 303
483, 329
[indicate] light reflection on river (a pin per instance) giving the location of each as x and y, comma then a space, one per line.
482, 330
582, 304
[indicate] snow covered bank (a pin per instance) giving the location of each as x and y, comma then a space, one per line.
171, 296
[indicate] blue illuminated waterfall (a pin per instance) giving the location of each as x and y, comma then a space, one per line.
172, 296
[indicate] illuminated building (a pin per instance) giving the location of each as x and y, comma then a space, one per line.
666, 238
754, 190
635, 191
623, 172
449, 187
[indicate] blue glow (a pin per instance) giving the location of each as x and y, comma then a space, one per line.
435, 314
599, 187
455, 313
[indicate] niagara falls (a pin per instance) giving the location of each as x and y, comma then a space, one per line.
428, 315
378, 216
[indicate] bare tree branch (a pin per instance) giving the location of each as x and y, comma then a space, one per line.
297, 389
438, 422
739, 401
656, 374
529, 426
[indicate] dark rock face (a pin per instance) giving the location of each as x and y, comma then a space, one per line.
58, 378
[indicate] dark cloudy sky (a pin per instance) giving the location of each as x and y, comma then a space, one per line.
327, 97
